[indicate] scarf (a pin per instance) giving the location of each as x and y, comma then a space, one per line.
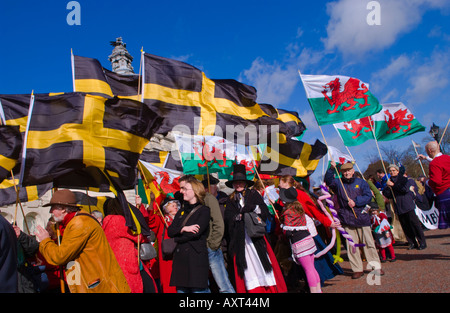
65, 222
241, 203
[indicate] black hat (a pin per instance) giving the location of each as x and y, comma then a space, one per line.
239, 174
288, 195
212, 180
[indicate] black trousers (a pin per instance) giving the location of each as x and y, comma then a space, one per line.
412, 228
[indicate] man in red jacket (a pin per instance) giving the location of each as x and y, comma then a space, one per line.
439, 173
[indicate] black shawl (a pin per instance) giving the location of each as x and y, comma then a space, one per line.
235, 228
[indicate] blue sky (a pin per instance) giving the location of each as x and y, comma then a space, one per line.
262, 43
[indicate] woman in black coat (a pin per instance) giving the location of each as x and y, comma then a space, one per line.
256, 267
404, 193
190, 266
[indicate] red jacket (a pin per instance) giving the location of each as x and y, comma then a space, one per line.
124, 246
439, 172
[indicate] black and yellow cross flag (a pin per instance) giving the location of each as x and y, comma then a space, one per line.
295, 158
192, 100
90, 77
188, 100
14, 113
10, 148
75, 131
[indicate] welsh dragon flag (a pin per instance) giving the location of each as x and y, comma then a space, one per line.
161, 181
213, 154
336, 99
394, 121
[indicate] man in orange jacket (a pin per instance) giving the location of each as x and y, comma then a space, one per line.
91, 266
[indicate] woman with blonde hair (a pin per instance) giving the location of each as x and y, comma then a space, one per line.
189, 228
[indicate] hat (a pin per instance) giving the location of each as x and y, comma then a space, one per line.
63, 197
169, 200
288, 195
394, 166
346, 166
212, 180
239, 174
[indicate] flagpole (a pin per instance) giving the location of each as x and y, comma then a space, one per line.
139, 77
355, 162
381, 158
349, 150
259, 177
442, 136
72, 60
143, 74
420, 161
147, 183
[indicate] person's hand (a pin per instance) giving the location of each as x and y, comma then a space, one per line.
41, 233
138, 201
389, 183
351, 203
333, 164
191, 228
16, 230
335, 224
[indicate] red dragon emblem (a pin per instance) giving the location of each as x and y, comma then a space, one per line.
208, 154
353, 89
249, 166
365, 124
168, 184
399, 119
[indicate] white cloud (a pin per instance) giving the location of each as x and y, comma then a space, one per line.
349, 32
397, 67
430, 77
275, 81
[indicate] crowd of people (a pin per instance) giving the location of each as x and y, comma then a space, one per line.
205, 240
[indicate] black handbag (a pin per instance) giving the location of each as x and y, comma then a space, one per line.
168, 245
254, 225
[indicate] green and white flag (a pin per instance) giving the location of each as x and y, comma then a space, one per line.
202, 154
395, 121
355, 132
336, 99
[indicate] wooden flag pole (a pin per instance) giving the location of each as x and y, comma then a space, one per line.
259, 177
337, 172
420, 161
355, 163
61, 270
381, 158
442, 136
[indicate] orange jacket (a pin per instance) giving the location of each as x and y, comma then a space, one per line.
91, 264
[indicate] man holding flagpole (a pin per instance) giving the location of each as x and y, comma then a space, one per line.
353, 196
439, 173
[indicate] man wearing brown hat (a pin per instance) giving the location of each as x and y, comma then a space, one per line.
353, 195
91, 266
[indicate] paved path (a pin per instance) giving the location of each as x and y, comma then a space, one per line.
415, 271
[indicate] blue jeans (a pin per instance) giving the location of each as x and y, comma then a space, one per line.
192, 290
217, 266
